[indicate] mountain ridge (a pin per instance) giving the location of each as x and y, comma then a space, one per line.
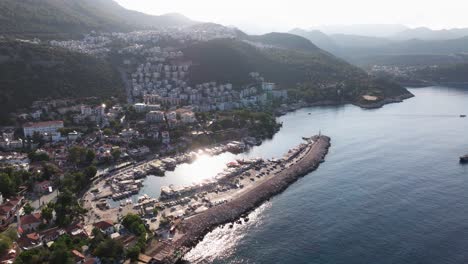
70, 17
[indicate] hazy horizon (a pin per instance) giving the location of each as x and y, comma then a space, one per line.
266, 16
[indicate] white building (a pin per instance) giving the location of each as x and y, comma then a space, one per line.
140, 107
188, 117
165, 137
48, 127
155, 117
172, 116
266, 86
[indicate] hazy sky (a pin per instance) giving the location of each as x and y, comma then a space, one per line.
276, 15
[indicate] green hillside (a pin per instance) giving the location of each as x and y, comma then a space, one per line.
30, 72
457, 73
69, 17
314, 75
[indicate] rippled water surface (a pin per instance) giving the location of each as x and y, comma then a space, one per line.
391, 189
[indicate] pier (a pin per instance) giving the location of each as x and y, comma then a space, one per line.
191, 230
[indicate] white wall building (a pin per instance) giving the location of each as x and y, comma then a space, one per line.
155, 117
48, 127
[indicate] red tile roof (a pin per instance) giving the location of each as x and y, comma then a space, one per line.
31, 219
103, 224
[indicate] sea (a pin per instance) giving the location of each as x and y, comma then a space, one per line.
392, 189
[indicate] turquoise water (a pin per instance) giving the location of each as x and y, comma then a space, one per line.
391, 189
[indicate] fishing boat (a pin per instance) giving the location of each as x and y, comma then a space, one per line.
462, 116
464, 159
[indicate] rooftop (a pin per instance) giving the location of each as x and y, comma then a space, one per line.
43, 124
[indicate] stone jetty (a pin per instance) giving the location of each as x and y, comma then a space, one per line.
193, 229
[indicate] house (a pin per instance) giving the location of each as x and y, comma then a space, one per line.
78, 256
106, 227
171, 116
73, 136
51, 234
77, 230
42, 187
48, 127
29, 241
165, 137
140, 107
127, 241
142, 258
188, 117
8, 211
155, 117
29, 223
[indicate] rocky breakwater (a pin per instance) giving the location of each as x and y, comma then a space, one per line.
193, 229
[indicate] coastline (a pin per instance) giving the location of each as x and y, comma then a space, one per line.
194, 228
386, 101
374, 105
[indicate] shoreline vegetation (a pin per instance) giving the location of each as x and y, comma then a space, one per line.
193, 229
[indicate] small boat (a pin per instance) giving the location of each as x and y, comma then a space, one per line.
464, 159
462, 116
309, 113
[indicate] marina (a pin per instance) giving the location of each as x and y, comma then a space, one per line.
186, 230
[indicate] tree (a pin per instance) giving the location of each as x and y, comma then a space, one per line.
67, 208
116, 154
49, 170
47, 213
33, 256
135, 224
109, 250
38, 156
5, 244
60, 254
28, 209
133, 253
7, 185
107, 131
90, 172
75, 153
90, 156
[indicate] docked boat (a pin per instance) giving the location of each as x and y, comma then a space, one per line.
464, 159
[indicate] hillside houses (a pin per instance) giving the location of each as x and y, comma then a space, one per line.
8, 210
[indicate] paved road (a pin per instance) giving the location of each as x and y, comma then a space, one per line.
44, 200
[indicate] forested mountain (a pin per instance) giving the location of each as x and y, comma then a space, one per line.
71, 17
30, 72
313, 75
285, 41
457, 73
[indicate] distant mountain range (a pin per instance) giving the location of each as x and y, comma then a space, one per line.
370, 30
54, 17
393, 31
424, 33
367, 50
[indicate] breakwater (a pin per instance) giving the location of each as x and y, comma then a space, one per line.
195, 228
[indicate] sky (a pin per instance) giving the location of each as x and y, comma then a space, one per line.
260, 16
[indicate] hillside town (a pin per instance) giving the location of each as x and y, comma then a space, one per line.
101, 150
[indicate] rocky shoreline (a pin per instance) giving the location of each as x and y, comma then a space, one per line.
368, 105
381, 103
195, 228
